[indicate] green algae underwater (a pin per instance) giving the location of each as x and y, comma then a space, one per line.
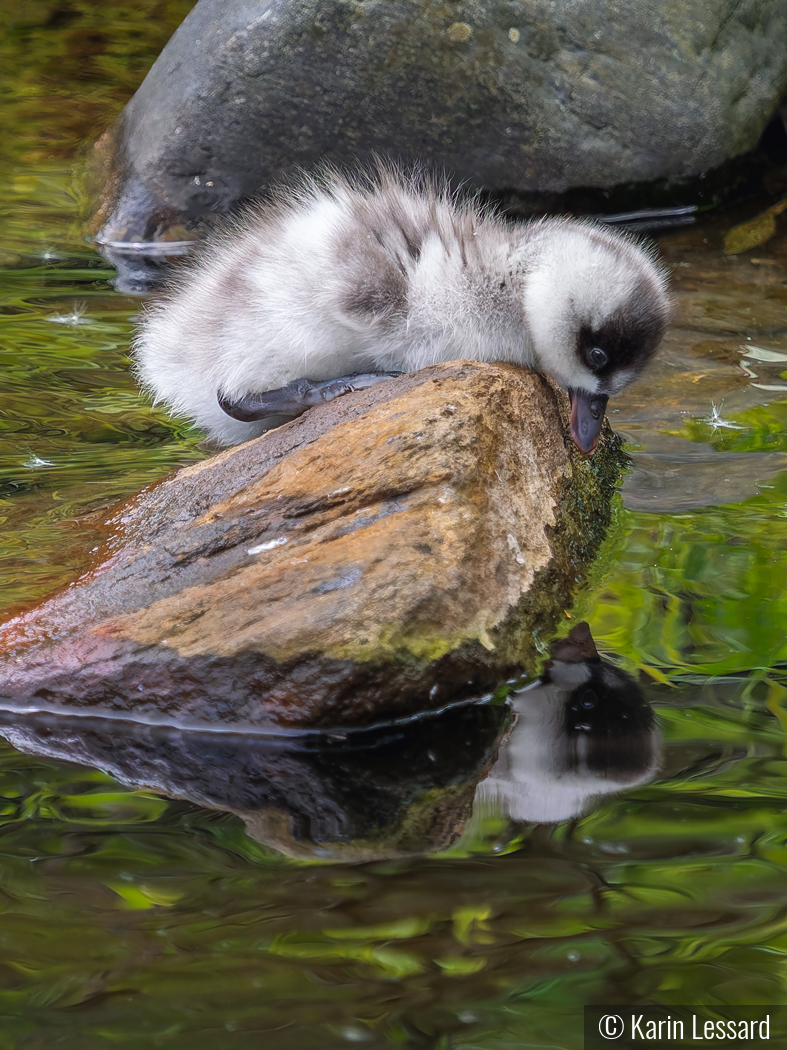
133, 920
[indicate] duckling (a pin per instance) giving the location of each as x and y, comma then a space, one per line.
346, 281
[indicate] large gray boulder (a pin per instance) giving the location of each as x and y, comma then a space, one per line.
541, 95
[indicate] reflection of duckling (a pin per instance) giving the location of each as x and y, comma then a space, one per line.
583, 731
390, 275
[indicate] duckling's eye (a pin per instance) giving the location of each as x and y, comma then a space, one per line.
597, 358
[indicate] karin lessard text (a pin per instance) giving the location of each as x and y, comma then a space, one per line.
671, 1029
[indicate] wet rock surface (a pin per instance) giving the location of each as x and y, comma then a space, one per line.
531, 97
386, 552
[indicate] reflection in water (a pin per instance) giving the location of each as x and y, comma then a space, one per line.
584, 730
393, 790
141, 268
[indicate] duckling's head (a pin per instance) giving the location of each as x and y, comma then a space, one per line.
597, 306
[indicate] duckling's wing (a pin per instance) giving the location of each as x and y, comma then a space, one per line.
376, 249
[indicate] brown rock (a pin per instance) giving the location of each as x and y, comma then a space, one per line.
389, 551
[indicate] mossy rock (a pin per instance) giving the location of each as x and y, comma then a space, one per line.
388, 552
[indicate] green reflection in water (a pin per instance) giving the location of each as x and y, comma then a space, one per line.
129, 918
763, 429
75, 434
702, 591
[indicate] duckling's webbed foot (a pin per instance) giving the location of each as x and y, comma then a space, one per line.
293, 400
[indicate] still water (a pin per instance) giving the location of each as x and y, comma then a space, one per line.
222, 894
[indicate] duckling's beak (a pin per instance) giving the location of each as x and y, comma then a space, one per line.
587, 418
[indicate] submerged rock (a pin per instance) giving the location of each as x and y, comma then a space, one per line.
540, 96
389, 551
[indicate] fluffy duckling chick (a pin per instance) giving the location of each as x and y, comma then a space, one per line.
343, 282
